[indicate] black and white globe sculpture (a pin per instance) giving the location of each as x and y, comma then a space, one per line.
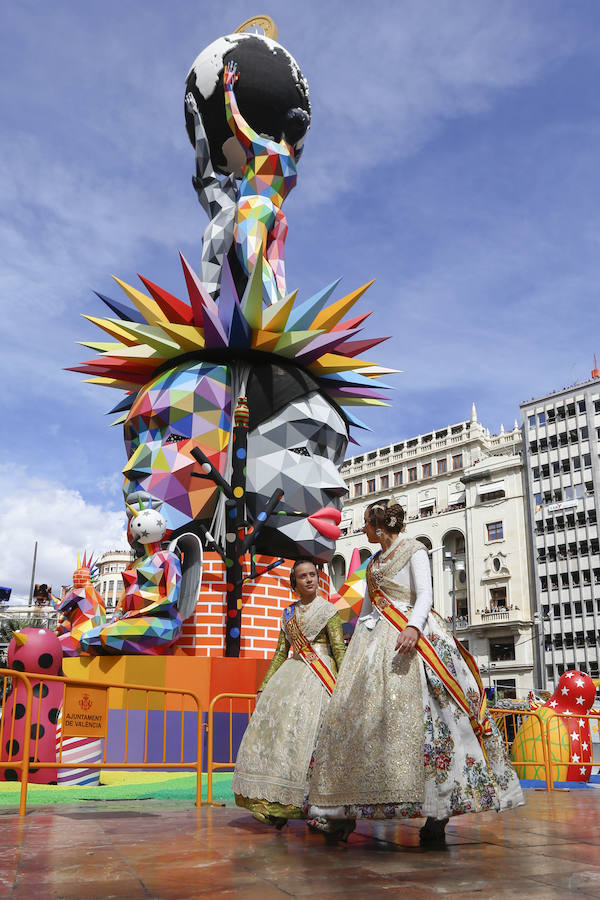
272, 92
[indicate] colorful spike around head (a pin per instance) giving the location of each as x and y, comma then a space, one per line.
160, 329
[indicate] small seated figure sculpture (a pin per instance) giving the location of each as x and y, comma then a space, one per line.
147, 619
82, 609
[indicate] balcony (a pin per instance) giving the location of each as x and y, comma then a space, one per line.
496, 615
462, 622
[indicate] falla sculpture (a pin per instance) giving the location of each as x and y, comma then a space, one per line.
239, 397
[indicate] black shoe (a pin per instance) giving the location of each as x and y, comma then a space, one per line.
433, 832
333, 829
266, 819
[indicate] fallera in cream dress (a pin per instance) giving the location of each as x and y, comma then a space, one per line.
394, 742
270, 776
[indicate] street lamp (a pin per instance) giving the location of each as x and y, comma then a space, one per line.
455, 565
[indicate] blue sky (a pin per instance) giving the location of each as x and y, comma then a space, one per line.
453, 156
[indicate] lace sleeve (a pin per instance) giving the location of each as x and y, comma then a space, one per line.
279, 657
336, 639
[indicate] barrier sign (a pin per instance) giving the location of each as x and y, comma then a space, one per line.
84, 711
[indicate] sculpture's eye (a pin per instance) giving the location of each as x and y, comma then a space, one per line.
175, 438
301, 451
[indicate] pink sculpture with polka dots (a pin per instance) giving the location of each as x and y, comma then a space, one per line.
38, 652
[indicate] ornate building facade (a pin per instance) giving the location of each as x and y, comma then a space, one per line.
462, 490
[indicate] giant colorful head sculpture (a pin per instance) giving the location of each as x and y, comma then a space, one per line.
184, 364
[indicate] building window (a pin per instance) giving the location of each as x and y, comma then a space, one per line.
397, 478
581, 405
542, 418
370, 486
502, 649
442, 466
358, 489
385, 482
427, 470
497, 598
495, 532
532, 421
412, 473
457, 461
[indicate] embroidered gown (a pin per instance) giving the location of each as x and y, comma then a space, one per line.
275, 752
409, 749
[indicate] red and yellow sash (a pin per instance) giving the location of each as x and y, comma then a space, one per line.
303, 647
480, 723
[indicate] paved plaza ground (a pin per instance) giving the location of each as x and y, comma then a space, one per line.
549, 848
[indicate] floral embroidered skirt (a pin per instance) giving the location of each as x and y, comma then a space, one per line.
275, 753
394, 743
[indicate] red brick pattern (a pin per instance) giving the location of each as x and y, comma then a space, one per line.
264, 600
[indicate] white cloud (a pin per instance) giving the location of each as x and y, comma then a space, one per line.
59, 519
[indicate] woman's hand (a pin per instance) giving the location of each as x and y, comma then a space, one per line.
407, 641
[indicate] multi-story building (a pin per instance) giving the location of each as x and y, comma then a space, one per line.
110, 583
463, 494
560, 436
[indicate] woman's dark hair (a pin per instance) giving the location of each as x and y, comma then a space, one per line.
385, 514
302, 559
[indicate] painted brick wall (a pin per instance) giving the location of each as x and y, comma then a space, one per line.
265, 599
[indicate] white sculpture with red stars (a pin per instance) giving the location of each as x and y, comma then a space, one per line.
566, 731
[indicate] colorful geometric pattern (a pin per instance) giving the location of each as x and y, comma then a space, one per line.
196, 347
146, 619
185, 407
82, 609
159, 329
350, 596
218, 196
267, 178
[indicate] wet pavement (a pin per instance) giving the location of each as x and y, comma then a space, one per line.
548, 849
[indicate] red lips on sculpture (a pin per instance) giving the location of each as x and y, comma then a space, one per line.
326, 522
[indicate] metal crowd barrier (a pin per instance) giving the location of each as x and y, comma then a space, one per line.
509, 722
80, 698
229, 763
552, 735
